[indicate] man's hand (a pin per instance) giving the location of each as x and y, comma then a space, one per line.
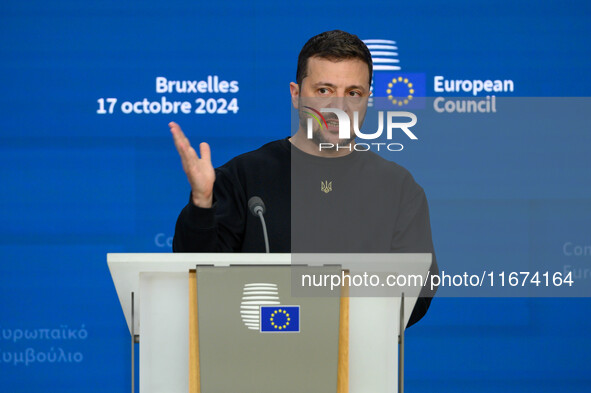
200, 172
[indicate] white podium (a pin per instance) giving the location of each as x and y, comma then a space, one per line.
159, 319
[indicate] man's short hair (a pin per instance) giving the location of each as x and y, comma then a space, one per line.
335, 45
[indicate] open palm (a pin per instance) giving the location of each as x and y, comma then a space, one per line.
199, 171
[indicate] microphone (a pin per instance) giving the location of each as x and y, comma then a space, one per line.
257, 208
256, 204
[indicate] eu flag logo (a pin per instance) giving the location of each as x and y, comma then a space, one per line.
399, 90
280, 319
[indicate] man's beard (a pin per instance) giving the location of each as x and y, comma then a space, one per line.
318, 137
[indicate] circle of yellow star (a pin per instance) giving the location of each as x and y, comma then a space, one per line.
400, 100
287, 319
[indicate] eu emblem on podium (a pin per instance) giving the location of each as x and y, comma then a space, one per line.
280, 319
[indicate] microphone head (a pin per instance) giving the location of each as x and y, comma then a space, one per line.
256, 204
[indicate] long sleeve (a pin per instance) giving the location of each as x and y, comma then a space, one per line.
413, 235
216, 229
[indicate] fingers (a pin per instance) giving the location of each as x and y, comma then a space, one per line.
180, 140
178, 136
175, 129
184, 146
205, 151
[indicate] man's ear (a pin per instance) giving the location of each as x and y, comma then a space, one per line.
294, 90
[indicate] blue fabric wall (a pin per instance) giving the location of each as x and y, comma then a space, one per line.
76, 184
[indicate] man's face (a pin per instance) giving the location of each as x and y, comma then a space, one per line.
340, 84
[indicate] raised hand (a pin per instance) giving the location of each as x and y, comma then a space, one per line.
200, 172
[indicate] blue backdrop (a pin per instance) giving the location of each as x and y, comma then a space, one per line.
82, 174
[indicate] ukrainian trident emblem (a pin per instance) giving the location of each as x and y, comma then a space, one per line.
325, 186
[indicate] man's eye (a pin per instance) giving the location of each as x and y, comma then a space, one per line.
323, 90
355, 94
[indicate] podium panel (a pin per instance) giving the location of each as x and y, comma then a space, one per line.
164, 337
255, 337
373, 344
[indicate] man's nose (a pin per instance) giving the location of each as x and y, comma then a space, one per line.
339, 103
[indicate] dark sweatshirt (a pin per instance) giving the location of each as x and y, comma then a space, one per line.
358, 203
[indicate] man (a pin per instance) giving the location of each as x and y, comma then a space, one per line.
317, 200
